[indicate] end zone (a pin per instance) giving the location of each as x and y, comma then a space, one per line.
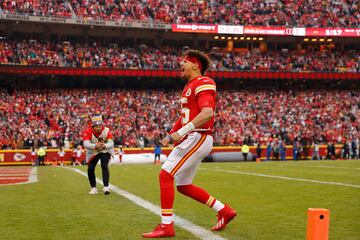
17, 175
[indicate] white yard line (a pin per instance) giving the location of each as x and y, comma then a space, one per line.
281, 177
196, 230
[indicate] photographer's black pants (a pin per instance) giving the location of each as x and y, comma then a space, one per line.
104, 158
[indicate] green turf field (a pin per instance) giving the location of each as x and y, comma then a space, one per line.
58, 206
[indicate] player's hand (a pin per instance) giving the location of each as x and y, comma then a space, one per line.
103, 146
175, 136
165, 141
100, 146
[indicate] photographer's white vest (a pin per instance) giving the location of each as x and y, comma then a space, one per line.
90, 153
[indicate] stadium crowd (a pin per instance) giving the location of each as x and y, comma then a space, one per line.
95, 54
307, 13
56, 8
58, 117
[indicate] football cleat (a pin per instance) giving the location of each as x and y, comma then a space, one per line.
224, 216
106, 190
93, 191
161, 230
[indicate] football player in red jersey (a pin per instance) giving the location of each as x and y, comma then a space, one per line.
192, 135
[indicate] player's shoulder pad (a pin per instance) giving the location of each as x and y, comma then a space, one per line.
205, 83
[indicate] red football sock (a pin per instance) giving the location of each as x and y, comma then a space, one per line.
197, 194
166, 190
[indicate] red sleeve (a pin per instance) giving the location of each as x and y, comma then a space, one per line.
87, 134
206, 99
177, 126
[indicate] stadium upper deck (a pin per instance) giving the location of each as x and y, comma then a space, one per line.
304, 13
98, 54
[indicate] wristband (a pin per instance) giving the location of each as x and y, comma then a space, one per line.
185, 129
170, 138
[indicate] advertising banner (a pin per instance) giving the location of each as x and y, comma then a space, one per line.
85, 21
20, 157
332, 32
259, 30
132, 155
195, 28
230, 29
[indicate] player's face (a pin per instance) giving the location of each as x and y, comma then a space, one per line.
186, 67
97, 128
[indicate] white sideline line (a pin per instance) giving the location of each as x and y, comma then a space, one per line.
281, 177
319, 166
336, 167
181, 222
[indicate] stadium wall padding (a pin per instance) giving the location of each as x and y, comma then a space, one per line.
218, 154
231, 157
69, 71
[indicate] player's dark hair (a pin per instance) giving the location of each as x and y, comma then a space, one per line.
203, 58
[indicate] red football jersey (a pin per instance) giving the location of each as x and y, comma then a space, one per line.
190, 104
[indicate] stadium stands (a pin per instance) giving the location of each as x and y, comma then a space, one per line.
97, 54
37, 7
304, 13
57, 117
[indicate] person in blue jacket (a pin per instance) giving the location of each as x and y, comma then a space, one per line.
157, 152
282, 151
295, 150
268, 151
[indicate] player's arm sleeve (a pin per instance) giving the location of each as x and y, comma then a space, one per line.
177, 126
206, 99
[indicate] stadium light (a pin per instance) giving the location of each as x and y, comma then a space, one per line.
306, 39
321, 40
329, 40
242, 38
314, 40
229, 38
216, 37
254, 38
235, 38
248, 38
222, 38
260, 38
